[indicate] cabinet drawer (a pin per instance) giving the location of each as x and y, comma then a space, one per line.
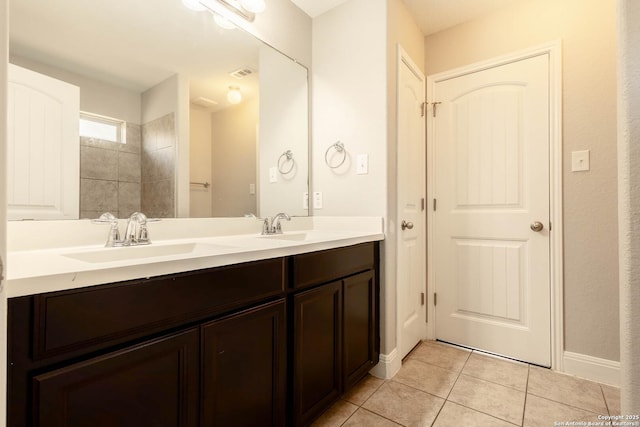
91, 318
325, 266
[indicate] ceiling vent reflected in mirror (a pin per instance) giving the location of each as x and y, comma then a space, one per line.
241, 72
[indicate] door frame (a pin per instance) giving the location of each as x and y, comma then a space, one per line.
554, 51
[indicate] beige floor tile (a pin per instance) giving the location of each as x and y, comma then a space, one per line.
542, 412
363, 390
566, 389
493, 399
442, 355
612, 397
497, 370
404, 405
426, 377
336, 415
364, 418
456, 415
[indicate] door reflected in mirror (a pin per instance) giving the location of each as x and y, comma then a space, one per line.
215, 121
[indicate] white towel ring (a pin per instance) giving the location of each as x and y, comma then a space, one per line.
288, 155
339, 147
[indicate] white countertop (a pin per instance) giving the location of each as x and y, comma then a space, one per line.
182, 245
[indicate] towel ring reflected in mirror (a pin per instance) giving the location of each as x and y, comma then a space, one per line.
288, 159
339, 147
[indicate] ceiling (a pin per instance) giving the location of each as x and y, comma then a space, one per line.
430, 15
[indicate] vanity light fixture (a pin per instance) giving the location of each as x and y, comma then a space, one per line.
234, 96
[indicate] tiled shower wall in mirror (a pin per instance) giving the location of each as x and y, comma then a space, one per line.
135, 176
110, 175
158, 167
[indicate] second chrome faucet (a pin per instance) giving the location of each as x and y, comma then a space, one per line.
135, 234
272, 225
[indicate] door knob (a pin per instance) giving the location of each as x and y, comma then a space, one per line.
406, 225
536, 226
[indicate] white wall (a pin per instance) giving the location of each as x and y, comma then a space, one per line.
349, 104
233, 142
629, 200
284, 125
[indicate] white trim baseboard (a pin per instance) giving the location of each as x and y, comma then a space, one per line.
592, 368
388, 366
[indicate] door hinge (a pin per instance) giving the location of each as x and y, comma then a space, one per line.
422, 203
435, 104
435, 298
1, 270
550, 228
423, 107
422, 298
435, 204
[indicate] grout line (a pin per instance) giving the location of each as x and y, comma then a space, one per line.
481, 412
606, 404
526, 393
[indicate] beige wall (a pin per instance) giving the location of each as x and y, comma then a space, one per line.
233, 134
587, 31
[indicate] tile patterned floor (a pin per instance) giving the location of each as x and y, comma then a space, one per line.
441, 385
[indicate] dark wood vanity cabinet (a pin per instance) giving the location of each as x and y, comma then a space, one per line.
244, 368
243, 345
335, 326
317, 351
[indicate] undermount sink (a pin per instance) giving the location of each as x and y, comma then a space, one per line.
287, 236
137, 252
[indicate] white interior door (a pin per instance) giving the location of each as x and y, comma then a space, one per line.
491, 161
411, 266
43, 146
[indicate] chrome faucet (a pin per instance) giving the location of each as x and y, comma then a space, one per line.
272, 225
135, 234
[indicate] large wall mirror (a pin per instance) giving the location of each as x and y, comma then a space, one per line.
180, 116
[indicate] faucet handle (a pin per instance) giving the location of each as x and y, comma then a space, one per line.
266, 225
113, 238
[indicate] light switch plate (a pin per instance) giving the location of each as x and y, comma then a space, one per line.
362, 164
580, 161
252, 189
317, 200
273, 174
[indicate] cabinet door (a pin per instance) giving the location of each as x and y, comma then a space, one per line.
361, 349
153, 384
317, 350
244, 368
